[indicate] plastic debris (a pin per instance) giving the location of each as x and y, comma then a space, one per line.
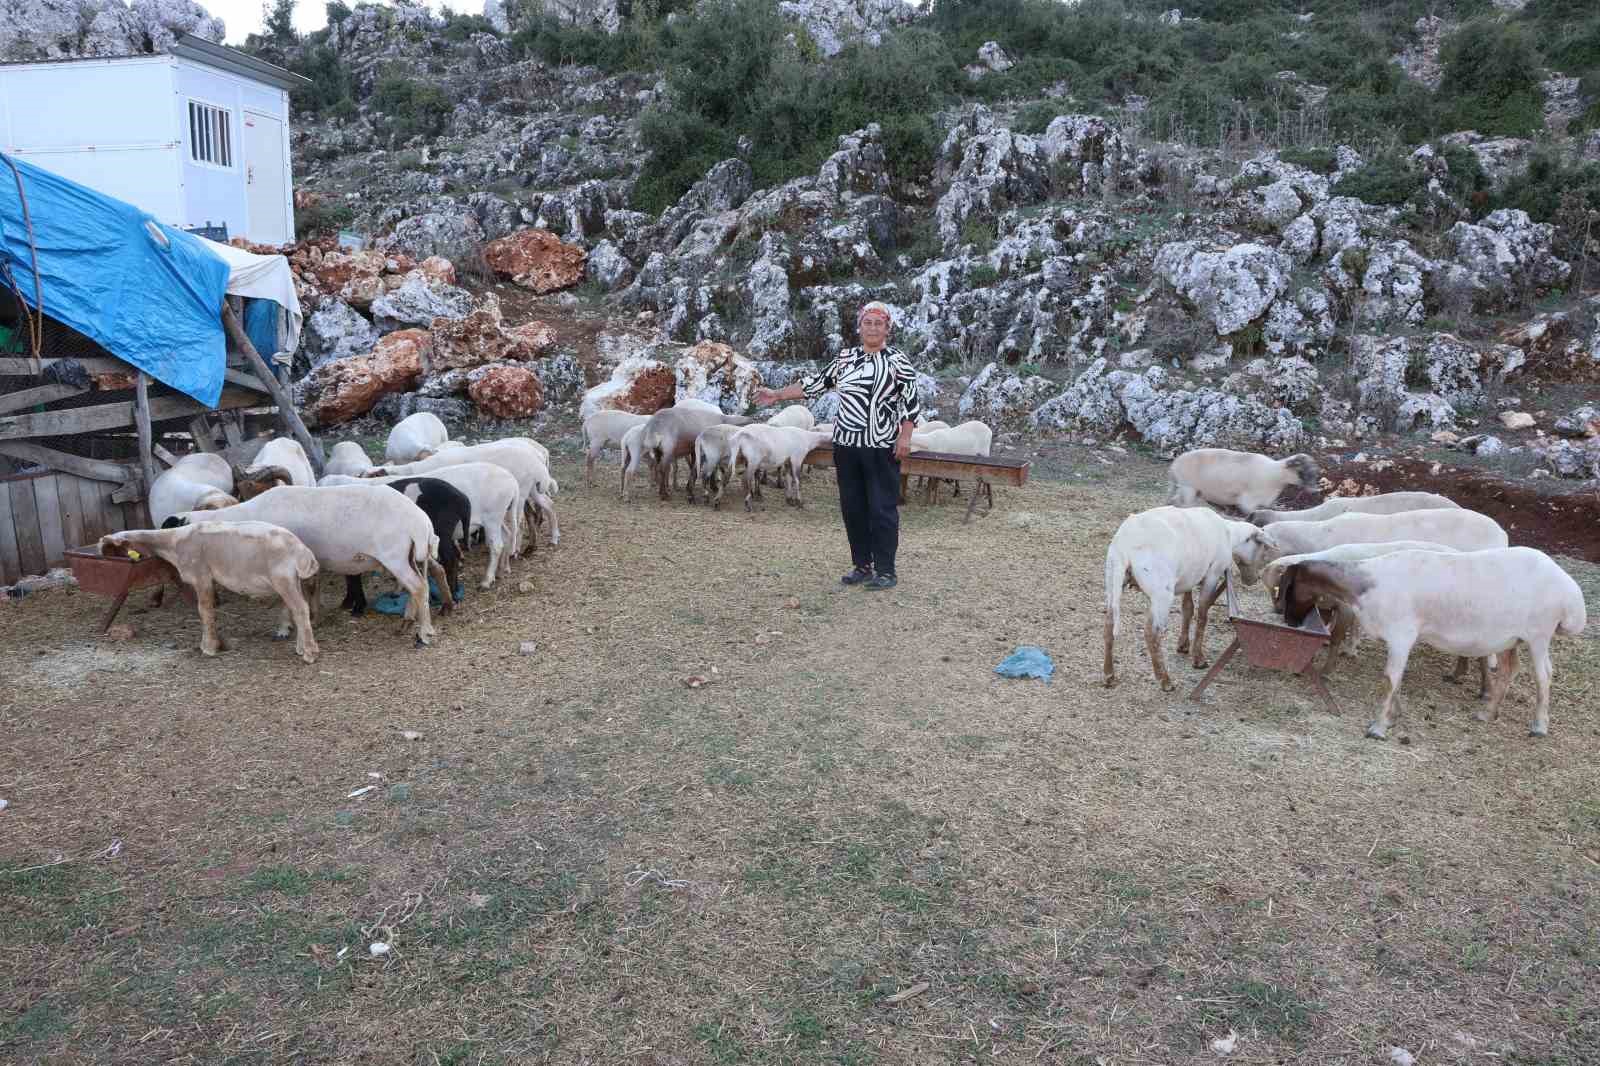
410, 734
379, 949
4, 805
1027, 661
360, 792
1401, 1057
395, 602
1224, 1045
527, 647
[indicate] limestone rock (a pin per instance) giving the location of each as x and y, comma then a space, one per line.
335, 331
715, 373
417, 300
481, 337
506, 391
1516, 420
1582, 422
998, 395
638, 385
1232, 288
608, 267
536, 259
348, 388
454, 235
1503, 258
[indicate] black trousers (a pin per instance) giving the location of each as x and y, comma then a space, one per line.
869, 501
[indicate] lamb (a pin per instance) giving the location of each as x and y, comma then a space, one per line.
447, 508
1243, 480
1460, 529
668, 436
1170, 550
713, 452
198, 482
493, 496
1473, 604
1384, 503
350, 529
780, 448
281, 461
415, 437
518, 456
969, 438
796, 416
601, 429
347, 459
251, 558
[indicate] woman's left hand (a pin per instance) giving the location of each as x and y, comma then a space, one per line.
902, 447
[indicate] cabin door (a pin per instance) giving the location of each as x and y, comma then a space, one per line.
266, 177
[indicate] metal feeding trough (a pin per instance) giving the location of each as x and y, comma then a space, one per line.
1271, 646
116, 576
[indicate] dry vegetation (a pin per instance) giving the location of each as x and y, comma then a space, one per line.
583, 860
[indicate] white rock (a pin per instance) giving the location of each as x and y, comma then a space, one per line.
410, 734
1401, 1057
1224, 1045
1516, 420
1231, 288
378, 949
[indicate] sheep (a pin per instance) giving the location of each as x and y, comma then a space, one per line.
251, 558
930, 425
796, 416
415, 437
780, 448
347, 459
1384, 503
493, 495
350, 529
713, 451
1460, 529
601, 429
1170, 550
518, 456
969, 438
281, 461
668, 436
447, 508
688, 404
1242, 480
1473, 604
198, 482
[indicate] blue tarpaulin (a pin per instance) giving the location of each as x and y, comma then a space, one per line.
147, 293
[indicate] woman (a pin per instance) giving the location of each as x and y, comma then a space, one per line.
878, 408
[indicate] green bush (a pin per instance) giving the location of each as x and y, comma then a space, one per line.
1036, 117
410, 107
332, 85
459, 27
1491, 78
1384, 181
320, 220
1539, 189
1318, 160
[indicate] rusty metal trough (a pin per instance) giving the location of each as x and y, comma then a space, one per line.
117, 576
1271, 646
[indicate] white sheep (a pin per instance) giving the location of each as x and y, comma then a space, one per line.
351, 529
494, 496
348, 458
930, 425
713, 454
524, 459
415, 437
796, 416
604, 428
1460, 529
969, 438
1168, 551
782, 449
1243, 480
198, 482
1473, 604
1383, 503
250, 558
281, 461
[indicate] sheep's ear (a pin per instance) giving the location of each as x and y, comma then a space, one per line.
175, 522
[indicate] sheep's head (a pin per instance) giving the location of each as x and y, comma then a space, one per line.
175, 521
1306, 469
251, 483
1303, 584
1254, 552
374, 471
112, 546
1261, 518
215, 501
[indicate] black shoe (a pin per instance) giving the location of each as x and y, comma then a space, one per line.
857, 576
881, 582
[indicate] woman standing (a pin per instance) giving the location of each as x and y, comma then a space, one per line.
878, 408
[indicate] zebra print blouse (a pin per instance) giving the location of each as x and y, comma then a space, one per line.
877, 392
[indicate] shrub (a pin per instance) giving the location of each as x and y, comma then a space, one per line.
410, 107
1386, 180
1491, 78
321, 219
458, 27
1036, 117
1320, 160
332, 85
1539, 189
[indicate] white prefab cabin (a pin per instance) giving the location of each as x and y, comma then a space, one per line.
198, 136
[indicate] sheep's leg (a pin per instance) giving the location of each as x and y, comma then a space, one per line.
1155, 631
588, 461
1207, 598
1483, 677
1188, 616
749, 487
546, 508
410, 578
1455, 676
205, 594
794, 483
1110, 669
355, 597
1337, 639
694, 474
496, 552
1540, 654
441, 577
1500, 683
1394, 670
294, 603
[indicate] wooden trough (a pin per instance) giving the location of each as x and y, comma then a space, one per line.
984, 470
1271, 646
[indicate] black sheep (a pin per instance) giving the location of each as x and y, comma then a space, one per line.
447, 507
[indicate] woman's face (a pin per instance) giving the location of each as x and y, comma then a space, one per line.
874, 329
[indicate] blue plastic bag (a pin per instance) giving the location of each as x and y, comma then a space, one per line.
395, 602
1027, 661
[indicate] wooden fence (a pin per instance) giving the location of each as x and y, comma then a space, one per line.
42, 515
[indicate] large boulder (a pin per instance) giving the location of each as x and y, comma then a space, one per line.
858, 167
1503, 260
562, 377
506, 391
990, 169
767, 283
536, 259
638, 385
417, 300
999, 395
1231, 289
454, 235
335, 331
608, 267
348, 388
715, 373
1581, 423
481, 337
1572, 459
71, 29
1406, 383
833, 24
1084, 154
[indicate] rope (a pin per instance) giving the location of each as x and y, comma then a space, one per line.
34, 317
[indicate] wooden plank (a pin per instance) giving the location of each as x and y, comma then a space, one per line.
16, 401
114, 415
943, 464
98, 469
93, 364
47, 496
201, 432
141, 420
249, 381
71, 510
110, 513
10, 562
89, 497
286, 411
164, 455
25, 516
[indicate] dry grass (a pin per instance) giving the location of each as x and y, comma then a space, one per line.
584, 860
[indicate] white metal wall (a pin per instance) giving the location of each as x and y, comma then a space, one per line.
214, 195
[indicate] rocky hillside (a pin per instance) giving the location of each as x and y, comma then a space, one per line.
1248, 223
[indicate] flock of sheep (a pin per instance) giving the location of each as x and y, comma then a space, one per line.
268, 529
1405, 567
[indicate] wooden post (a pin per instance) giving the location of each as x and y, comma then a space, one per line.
141, 417
202, 434
286, 411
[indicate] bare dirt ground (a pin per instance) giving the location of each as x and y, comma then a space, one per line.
855, 844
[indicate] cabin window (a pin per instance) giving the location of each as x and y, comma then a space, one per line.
210, 135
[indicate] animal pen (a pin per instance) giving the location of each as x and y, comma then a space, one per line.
115, 332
